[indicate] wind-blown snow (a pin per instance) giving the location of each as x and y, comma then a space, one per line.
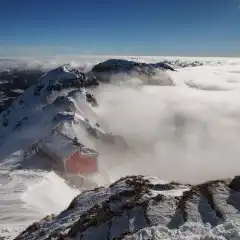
26, 196
187, 132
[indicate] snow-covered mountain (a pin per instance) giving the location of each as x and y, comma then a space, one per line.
16, 75
13, 81
176, 131
137, 207
51, 102
47, 104
104, 71
44, 95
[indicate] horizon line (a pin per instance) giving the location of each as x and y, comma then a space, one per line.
113, 55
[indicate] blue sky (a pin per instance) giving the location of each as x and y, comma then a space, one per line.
126, 27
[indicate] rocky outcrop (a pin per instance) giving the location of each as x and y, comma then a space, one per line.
137, 207
14, 82
183, 64
104, 71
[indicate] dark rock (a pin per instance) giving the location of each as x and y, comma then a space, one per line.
235, 184
163, 65
14, 82
104, 70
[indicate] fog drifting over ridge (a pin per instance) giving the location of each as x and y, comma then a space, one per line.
174, 134
187, 132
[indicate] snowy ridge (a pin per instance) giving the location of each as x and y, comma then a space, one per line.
43, 107
136, 207
13, 82
45, 103
48, 104
33, 98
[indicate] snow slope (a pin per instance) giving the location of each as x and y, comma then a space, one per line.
46, 104
28, 119
138, 208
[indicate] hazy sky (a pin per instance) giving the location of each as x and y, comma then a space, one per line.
129, 27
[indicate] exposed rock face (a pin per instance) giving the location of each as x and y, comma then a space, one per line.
105, 70
50, 104
182, 64
43, 93
13, 83
137, 207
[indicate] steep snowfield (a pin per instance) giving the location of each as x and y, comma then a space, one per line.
25, 197
188, 132
28, 119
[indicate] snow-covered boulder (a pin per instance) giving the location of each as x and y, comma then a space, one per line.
138, 207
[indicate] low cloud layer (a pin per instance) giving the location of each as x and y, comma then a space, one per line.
174, 133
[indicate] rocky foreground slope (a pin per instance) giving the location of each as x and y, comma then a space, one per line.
137, 207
